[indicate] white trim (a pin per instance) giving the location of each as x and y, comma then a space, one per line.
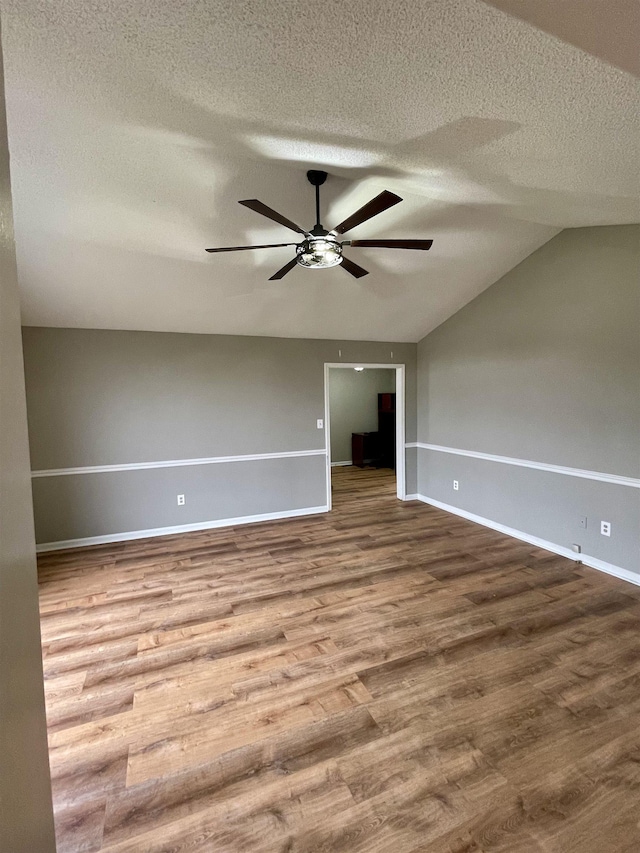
401, 433
412, 497
180, 528
342, 464
327, 436
401, 476
174, 463
616, 479
592, 562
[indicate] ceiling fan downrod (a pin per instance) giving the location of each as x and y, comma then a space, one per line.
316, 178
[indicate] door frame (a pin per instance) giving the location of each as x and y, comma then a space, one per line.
401, 477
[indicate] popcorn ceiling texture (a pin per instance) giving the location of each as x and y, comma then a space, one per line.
135, 127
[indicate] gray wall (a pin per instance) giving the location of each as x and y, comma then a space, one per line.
543, 366
26, 818
353, 403
99, 397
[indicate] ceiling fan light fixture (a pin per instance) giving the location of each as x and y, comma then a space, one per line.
319, 253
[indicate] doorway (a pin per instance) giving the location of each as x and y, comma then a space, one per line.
374, 448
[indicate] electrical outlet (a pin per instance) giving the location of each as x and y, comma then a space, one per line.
320, 423
583, 522
577, 548
605, 528
456, 485
180, 500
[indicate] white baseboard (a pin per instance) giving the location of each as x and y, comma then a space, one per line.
411, 498
592, 562
180, 528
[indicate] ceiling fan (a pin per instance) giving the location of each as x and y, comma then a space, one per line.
320, 248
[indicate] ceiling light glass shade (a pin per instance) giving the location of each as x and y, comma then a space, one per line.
319, 253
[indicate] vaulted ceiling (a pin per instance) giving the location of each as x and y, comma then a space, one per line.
135, 128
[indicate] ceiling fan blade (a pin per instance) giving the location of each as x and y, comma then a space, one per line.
259, 207
285, 269
354, 269
372, 208
242, 248
393, 244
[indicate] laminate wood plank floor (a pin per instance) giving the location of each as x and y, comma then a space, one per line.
386, 677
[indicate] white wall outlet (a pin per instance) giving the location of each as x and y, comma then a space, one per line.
320, 423
583, 521
605, 528
456, 485
180, 500
577, 548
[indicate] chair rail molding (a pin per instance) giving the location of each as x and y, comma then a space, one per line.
616, 479
174, 463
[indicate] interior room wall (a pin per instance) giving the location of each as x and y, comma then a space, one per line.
353, 404
543, 370
163, 414
26, 818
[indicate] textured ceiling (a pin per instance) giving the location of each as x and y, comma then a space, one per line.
136, 126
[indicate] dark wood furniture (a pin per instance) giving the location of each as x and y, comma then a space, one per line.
386, 430
377, 448
364, 448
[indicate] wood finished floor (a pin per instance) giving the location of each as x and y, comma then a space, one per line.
384, 678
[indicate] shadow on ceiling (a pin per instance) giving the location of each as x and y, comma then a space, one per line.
609, 31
